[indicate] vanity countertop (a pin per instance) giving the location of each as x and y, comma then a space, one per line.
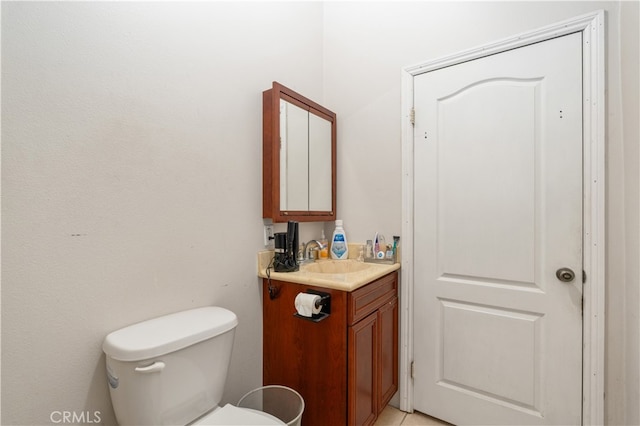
339, 281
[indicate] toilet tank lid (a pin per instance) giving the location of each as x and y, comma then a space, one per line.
169, 333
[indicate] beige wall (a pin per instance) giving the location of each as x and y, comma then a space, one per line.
131, 166
364, 54
630, 83
131, 179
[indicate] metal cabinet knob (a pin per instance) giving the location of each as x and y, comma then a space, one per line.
565, 275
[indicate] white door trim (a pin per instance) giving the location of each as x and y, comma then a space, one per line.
593, 35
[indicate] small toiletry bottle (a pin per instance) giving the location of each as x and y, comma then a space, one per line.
396, 240
339, 247
368, 253
324, 253
389, 253
380, 247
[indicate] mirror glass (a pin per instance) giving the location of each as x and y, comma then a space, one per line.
305, 159
319, 163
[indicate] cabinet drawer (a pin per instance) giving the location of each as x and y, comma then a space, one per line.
369, 298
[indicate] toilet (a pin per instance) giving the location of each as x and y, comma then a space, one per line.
172, 370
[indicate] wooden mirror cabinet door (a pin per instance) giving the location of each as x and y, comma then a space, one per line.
299, 158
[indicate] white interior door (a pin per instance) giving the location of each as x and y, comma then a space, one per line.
498, 211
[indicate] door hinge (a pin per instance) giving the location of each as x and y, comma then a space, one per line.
584, 280
412, 369
412, 116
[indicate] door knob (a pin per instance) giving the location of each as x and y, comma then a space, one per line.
565, 275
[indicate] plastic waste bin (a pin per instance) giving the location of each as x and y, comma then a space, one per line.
280, 401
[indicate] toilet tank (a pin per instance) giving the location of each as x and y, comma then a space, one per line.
172, 369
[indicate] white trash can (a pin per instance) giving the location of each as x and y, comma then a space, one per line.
280, 401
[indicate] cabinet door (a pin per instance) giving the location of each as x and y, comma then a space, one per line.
388, 355
363, 368
310, 357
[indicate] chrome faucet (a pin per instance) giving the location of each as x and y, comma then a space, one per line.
307, 258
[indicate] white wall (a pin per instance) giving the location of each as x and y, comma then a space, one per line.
364, 53
131, 179
131, 166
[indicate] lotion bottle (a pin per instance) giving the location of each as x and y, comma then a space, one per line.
339, 246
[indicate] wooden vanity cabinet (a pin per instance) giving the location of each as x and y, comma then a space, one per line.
344, 366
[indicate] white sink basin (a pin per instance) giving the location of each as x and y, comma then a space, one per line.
335, 266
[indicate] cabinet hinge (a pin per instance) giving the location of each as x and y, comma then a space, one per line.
412, 116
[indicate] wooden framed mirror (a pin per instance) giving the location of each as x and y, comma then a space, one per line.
299, 157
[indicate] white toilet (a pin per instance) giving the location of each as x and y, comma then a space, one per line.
172, 370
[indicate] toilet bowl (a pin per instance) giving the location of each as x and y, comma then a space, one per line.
232, 415
172, 370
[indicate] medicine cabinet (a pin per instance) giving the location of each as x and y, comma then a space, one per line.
299, 158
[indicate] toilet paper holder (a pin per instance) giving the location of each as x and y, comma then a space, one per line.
324, 303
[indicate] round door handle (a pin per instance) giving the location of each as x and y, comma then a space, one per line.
565, 275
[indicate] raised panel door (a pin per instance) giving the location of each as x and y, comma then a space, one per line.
498, 207
363, 368
388, 352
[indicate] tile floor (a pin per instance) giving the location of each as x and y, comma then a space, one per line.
391, 416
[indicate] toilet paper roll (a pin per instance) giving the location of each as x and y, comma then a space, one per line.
306, 304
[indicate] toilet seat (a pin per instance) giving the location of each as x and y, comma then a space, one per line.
232, 415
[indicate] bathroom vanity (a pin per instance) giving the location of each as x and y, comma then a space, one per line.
345, 365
